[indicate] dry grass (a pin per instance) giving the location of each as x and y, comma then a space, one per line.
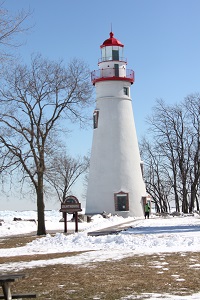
16, 241
110, 280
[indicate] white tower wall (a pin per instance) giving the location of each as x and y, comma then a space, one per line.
115, 159
115, 178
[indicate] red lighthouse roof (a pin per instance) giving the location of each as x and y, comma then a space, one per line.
111, 41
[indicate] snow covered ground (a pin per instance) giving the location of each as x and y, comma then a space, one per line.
154, 235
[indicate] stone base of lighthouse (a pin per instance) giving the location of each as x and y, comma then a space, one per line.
115, 181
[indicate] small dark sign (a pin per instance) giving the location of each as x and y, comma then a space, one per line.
70, 205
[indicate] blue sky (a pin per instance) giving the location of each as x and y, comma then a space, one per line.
161, 39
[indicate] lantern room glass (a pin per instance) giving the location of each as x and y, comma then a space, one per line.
109, 53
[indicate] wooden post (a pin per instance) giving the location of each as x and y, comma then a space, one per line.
70, 205
76, 221
65, 222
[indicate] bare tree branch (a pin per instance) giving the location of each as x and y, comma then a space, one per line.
33, 102
10, 28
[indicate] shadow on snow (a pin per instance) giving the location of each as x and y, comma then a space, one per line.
163, 229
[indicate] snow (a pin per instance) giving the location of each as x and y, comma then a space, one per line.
138, 236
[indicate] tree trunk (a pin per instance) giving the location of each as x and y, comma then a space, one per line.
192, 199
176, 200
40, 206
164, 206
185, 201
197, 203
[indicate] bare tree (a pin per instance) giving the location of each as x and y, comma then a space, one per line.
10, 27
156, 175
64, 171
162, 124
35, 103
176, 140
192, 106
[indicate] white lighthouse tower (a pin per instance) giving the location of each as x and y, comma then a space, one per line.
115, 183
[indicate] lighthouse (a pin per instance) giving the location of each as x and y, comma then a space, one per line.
115, 183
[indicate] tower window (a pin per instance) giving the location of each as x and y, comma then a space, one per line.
121, 201
126, 91
115, 54
116, 68
95, 119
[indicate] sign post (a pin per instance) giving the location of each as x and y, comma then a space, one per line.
65, 221
70, 205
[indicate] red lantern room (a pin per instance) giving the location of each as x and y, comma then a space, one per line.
112, 64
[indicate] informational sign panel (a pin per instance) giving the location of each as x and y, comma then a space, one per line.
70, 205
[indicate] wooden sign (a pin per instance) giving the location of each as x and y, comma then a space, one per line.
70, 205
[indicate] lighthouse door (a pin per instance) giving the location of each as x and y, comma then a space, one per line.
121, 201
